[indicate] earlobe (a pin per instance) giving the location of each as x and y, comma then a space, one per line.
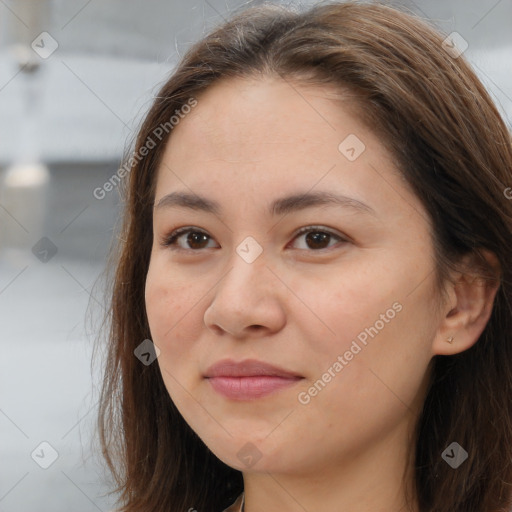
468, 310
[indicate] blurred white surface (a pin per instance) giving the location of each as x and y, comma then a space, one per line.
47, 386
88, 109
111, 59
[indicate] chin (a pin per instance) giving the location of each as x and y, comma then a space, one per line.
248, 455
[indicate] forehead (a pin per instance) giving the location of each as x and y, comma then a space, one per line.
274, 136
263, 123
242, 113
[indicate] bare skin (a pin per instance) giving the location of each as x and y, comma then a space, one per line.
304, 300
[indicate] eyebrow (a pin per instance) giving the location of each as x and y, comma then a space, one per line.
280, 206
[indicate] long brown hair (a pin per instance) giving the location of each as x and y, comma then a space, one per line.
451, 146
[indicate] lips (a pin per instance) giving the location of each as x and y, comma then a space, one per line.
247, 368
249, 379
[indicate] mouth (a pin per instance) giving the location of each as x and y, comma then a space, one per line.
249, 379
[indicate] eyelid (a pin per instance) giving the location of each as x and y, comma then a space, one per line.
322, 229
169, 240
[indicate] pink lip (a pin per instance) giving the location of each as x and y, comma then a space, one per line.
249, 379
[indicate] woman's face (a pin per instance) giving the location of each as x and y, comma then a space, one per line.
346, 307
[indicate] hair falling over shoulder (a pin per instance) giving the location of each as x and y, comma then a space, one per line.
452, 147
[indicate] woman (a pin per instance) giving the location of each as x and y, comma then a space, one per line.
311, 304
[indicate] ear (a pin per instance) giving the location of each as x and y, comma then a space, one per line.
469, 307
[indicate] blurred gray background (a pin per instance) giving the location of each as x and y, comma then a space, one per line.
76, 77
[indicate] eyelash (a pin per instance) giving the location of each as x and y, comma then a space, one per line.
170, 240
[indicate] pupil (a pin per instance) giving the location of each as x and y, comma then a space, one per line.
195, 238
317, 238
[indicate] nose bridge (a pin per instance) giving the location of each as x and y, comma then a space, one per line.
245, 296
247, 270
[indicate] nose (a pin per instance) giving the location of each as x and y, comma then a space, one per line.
247, 301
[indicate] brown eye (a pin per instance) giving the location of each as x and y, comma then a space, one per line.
317, 238
195, 240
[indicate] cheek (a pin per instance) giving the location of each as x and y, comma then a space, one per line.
383, 334
172, 308
347, 309
378, 386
